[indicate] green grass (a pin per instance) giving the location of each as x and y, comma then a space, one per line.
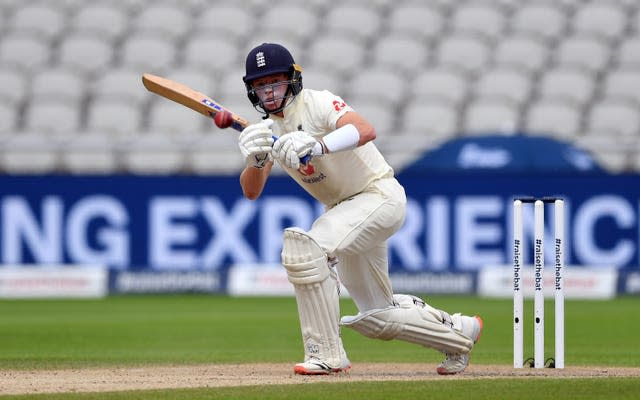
586, 388
143, 330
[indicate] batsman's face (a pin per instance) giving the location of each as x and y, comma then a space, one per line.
271, 89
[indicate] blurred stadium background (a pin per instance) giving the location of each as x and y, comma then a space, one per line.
79, 135
422, 71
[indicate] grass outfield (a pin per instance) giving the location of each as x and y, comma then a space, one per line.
150, 330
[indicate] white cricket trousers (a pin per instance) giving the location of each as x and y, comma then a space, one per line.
355, 232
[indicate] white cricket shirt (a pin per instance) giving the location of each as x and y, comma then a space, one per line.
339, 175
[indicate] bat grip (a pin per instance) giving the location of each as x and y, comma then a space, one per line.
303, 160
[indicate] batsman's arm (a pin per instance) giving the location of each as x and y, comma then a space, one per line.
351, 131
253, 180
365, 130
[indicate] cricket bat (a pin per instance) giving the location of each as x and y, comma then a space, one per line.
188, 97
182, 94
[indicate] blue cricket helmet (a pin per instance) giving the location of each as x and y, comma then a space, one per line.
268, 59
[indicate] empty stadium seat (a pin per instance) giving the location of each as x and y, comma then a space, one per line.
153, 154
544, 19
216, 153
90, 154
613, 156
30, 153
606, 20
393, 146
123, 84
47, 21
52, 115
430, 118
522, 51
13, 85
212, 53
505, 82
574, 84
419, 20
8, 118
614, 116
147, 52
586, 52
490, 115
113, 116
378, 5
612, 160
382, 85
58, 83
24, 51
318, 7
301, 22
479, 19
445, 83
172, 20
553, 117
130, 6
401, 53
634, 18
635, 162
466, 52
341, 20
336, 53
628, 52
622, 82
230, 21
85, 54
102, 19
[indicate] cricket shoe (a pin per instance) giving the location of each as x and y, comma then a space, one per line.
456, 363
313, 366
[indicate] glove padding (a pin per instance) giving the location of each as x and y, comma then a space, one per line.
255, 143
292, 146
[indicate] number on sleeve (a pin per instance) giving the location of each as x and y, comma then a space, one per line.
338, 105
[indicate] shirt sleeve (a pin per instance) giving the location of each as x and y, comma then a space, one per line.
329, 108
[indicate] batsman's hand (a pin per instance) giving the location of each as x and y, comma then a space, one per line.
292, 146
255, 143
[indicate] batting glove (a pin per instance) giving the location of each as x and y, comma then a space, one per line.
292, 146
255, 143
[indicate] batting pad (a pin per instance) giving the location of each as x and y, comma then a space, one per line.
414, 321
316, 288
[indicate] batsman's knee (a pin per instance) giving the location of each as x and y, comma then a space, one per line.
305, 261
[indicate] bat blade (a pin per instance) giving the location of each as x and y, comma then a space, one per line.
183, 94
190, 98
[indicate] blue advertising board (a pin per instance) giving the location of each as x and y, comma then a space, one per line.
456, 223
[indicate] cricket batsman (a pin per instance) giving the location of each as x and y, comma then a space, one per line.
364, 206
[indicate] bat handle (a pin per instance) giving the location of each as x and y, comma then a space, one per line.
305, 159
306, 167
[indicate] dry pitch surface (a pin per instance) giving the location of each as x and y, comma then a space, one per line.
219, 375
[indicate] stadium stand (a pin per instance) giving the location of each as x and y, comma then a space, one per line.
487, 115
71, 100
